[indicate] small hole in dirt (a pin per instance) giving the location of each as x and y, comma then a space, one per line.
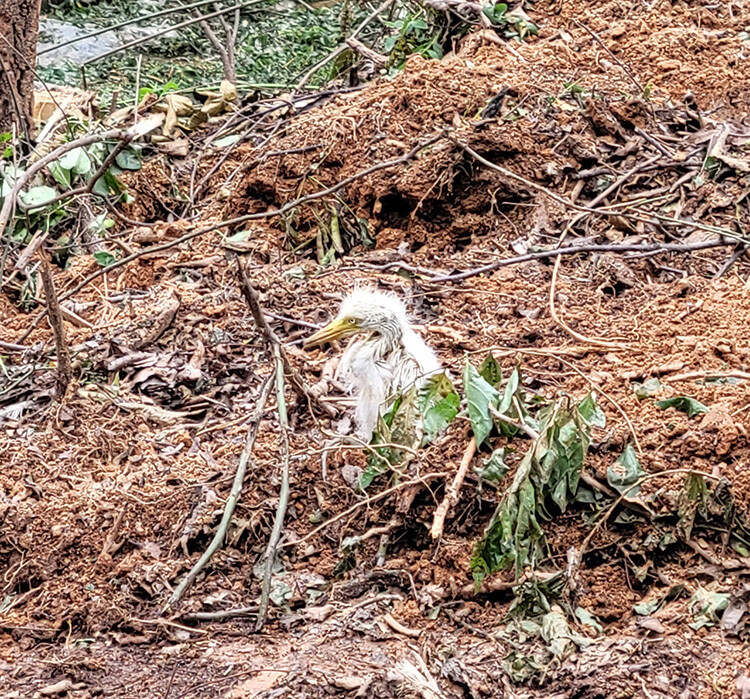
614, 289
395, 207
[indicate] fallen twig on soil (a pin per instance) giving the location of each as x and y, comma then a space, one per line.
64, 367
398, 627
253, 301
451, 493
561, 323
221, 615
625, 69
278, 523
234, 496
574, 249
694, 375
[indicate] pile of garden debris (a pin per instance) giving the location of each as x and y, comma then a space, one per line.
569, 216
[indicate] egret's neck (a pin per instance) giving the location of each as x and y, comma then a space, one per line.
388, 336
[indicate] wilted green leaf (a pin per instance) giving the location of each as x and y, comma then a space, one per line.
129, 159
491, 371
479, 396
510, 391
649, 607
494, 468
438, 402
692, 499
683, 403
226, 141
591, 412
646, 389
76, 160
60, 174
625, 472
706, 607
104, 258
38, 196
588, 619
280, 593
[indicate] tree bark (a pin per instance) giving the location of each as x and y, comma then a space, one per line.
19, 28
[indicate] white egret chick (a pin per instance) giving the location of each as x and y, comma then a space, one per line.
387, 360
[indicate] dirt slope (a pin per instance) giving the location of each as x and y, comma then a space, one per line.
109, 497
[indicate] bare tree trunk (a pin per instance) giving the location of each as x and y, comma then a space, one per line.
19, 27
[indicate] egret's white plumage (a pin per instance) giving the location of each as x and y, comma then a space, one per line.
387, 360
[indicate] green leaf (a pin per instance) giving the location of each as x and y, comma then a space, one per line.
226, 141
129, 159
647, 608
105, 259
706, 607
37, 197
438, 402
479, 396
646, 389
693, 499
62, 175
687, 405
491, 371
588, 619
625, 472
73, 159
494, 468
591, 412
510, 390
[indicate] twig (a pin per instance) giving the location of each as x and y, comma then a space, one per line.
64, 367
231, 503
626, 70
362, 503
278, 523
13, 347
342, 47
573, 333
398, 627
166, 30
451, 494
220, 615
234, 221
253, 301
109, 543
635, 213
575, 249
690, 376
528, 431
739, 252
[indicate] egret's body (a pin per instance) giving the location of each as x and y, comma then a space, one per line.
387, 360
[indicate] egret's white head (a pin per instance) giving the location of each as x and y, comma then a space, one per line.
365, 311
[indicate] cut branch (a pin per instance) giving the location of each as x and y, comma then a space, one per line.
234, 496
278, 523
451, 494
253, 301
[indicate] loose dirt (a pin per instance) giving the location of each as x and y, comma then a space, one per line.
109, 497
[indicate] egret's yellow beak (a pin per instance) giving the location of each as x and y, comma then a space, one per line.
335, 330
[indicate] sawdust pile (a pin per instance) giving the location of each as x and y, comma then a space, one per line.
109, 497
